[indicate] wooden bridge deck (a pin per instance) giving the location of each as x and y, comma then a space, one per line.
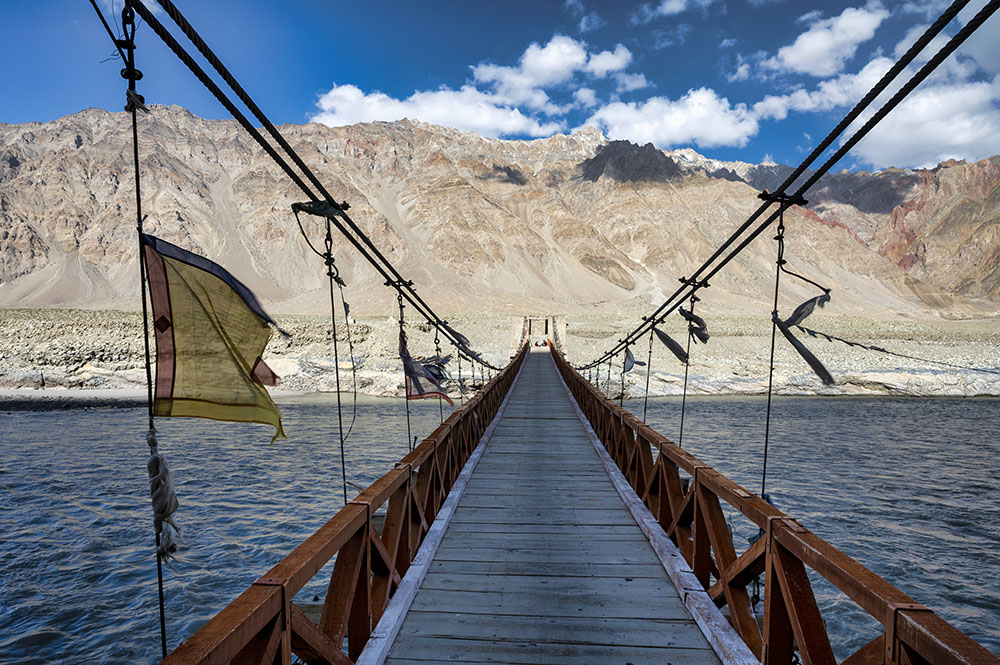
542, 562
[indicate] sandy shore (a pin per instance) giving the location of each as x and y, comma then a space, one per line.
76, 356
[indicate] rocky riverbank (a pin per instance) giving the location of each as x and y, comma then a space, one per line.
102, 350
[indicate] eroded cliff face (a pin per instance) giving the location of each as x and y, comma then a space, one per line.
568, 223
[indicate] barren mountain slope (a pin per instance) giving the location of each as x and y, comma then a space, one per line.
565, 224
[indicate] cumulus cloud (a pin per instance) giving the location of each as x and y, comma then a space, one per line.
844, 90
956, 121
700, 116
600, 64
742, 72
500, 100
828, 44
586, 97
629, 82
467, 109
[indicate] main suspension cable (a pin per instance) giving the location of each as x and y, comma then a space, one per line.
672, 302
365, 246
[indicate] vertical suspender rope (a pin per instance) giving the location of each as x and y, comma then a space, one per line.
406, 393
437, 350
461, 392
649, 370
130, 73
332, 276
774, 327
687, 365
621, 396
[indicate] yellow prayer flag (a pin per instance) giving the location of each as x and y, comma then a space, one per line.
210, 335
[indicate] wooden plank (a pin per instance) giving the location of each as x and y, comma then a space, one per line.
551, 603
608, 586
585, 552
541, 653
659, 633
589, 569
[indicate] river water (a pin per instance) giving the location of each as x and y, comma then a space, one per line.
908, 487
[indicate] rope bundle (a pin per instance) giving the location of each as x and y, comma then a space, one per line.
165, 504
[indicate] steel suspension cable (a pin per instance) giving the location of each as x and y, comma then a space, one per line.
679, 295
384, 267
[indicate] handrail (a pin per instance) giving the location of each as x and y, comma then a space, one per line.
694, 520
263, 622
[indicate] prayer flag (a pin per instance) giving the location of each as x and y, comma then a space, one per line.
419, 383
210, 334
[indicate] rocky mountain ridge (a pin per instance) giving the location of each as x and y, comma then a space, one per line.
571, 223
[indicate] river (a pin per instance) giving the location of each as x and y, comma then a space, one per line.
906, 486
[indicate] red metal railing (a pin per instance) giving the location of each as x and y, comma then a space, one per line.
694, 520
263, 624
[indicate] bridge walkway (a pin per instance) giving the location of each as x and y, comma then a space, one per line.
542, 562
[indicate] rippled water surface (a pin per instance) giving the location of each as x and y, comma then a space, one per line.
908, 487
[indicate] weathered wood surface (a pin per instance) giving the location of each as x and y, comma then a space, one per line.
542, 562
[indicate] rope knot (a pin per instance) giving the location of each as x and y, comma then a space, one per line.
165, 504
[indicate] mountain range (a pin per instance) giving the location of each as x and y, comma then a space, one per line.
570, 223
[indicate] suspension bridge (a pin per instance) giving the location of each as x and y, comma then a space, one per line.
541, 522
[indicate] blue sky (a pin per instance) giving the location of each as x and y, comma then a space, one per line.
746, 79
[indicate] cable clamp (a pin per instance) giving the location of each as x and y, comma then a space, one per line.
781, 197
135, 101
131, 74
691, 281
328, 209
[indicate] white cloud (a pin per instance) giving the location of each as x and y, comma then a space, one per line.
586, 97
466, 109
951, 121
742, 72
600, 64
700, 116
645, 13
501, 100
629, 82
591, 21
828, 44
553, 63
670, 7
728, 42
575, 7
842, 91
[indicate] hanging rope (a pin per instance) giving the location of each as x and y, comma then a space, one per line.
779, 263
692, 327
160, 481
335, 280
333, 277
625, 368
406, 397
878, 349
437, 351
649, 371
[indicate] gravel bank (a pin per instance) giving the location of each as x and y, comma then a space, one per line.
102, 350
